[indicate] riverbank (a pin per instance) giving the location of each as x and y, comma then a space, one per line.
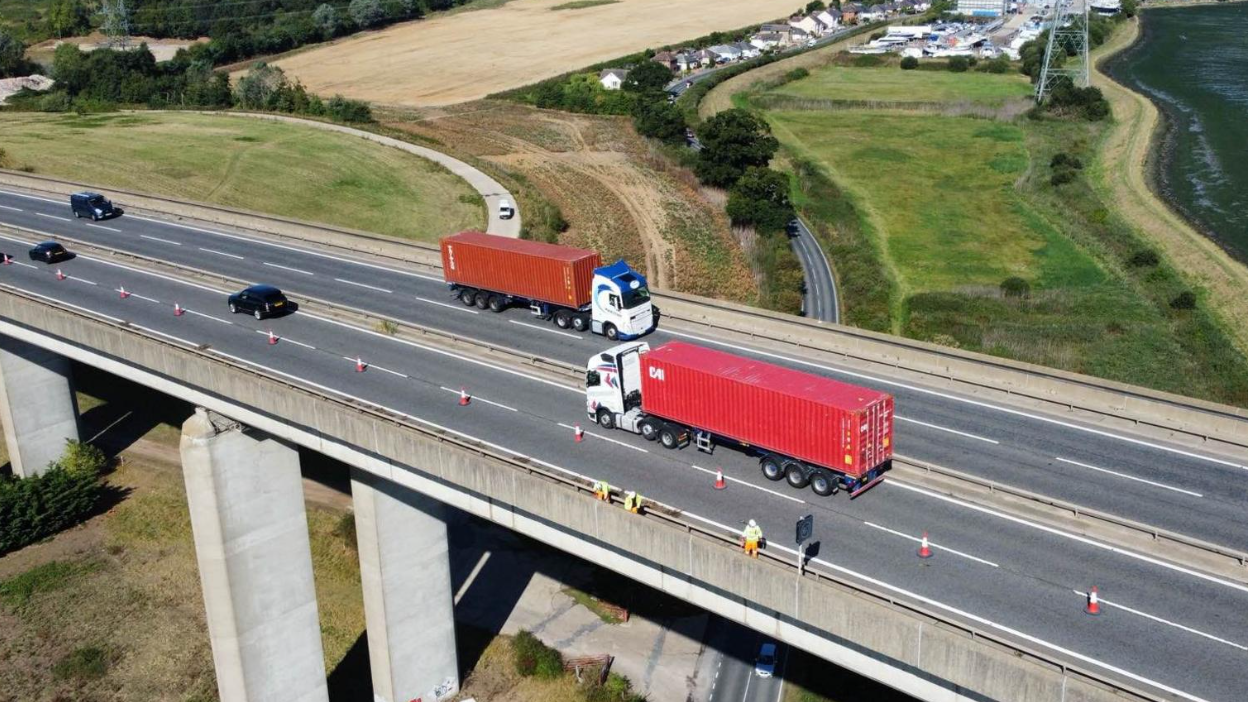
1121, 176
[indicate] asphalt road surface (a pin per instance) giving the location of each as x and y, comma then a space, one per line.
819, 300
1165, 626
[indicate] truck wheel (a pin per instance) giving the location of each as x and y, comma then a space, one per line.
497, 303
668, 437
771, 467
649, 432
822, 484
467, 296
563, 319
580, 322
609, 331
483, 299
796, 475
606, 420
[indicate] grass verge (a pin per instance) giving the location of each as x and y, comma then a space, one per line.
582, 4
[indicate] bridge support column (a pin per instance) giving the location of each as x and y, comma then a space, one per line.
405, 570
37, 405
255, 563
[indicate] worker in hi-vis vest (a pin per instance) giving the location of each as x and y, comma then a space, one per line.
753, 534
602, 490
632, 502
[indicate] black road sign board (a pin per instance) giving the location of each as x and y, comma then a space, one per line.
805, 528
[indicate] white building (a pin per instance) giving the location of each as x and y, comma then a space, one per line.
983, 8
613, 78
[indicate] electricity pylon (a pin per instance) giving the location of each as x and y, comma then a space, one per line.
1067, 52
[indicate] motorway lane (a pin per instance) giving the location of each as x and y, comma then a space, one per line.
1010, 572
1203, 499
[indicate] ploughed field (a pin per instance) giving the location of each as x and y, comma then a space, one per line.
276, 168
466, 56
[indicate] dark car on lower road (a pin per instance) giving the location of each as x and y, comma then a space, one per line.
93, 205
49, 252
260, 301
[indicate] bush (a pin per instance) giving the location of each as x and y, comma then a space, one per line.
345, 110
958, 64
1144, 258
760, 198
1061, 177
533, 658
37, 507
1015, 287
732, 141
997, 65
796, 74
909, 63
1185, 300
1065, 160
617, 688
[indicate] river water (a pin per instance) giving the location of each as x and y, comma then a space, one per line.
1193, 63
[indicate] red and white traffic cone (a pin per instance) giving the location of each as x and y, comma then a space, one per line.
272, 338
121, 291
925, 551
719, 479
360, 365
8, 260
464, 398
578, 434
177, 310
60, 275
1094, 604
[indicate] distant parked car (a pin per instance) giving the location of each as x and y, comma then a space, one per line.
765, 666
92, 205
49, 252
260, 301
506, 210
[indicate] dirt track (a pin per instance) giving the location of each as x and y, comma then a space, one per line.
466, 56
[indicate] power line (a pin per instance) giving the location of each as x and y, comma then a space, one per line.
116, 24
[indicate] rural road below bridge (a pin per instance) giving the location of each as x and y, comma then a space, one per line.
820, 301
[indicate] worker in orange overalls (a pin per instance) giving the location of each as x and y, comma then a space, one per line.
632, 502
602, 490
753, 534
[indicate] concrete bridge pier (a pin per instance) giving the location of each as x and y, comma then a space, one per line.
245, 494
405, 570
37, 405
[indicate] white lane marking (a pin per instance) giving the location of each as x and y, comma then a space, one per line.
76, 279
144, 297
472, 576
1167, 622
33, 197
951, 431
157, 332
962, 613
19, 263
931, 543
370, 366
101, 226
606, 438
780, 674
363, 285
161, 276
221, 253
163, 241
286, 268
474, 398
1128, 477
461, 308
262, 242
63, 219
1072, 537
749, 677
58, 301
752, 485
964, 400
545, 329
14, 209
448, 354
206, 316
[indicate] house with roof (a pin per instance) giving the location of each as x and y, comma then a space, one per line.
765, 41
784, 30
809, 24
875, 13
922, 5
666, 59
725, 53
830, 19
748, 50
798, 35
612, 78
850, 12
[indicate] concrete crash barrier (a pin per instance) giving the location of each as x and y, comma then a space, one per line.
913, 646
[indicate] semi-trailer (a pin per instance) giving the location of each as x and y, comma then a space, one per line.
804, 428
563, 283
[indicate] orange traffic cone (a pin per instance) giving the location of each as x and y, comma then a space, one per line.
578, 434
464, 399
719, 479
122, 292
360, 365
7, 260
60, 275
177, 310
1094, 604
925, 551
272, 338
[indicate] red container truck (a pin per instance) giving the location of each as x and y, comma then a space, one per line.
563, 283
806, 429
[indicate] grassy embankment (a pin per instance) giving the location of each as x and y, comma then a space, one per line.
925, 215
270, 167
112, 609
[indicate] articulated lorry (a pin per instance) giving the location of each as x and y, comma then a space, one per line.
806, 429
563, 283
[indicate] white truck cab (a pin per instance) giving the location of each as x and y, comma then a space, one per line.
621, 303
613, 387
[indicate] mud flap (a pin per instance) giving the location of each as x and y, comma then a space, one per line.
865, 486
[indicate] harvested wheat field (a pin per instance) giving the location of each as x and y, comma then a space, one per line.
466, 56
617, 195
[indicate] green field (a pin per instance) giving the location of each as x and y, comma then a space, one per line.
891, 84
264, 166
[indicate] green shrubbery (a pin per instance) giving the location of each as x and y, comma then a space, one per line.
1065, 167
909, 63
533, 658
37, 507
1015, 287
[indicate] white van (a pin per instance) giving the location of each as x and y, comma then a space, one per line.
505, 209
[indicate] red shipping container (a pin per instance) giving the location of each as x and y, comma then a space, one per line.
815, 419
559, 275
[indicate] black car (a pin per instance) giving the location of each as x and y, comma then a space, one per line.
93, 205
260, 300
49, 252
